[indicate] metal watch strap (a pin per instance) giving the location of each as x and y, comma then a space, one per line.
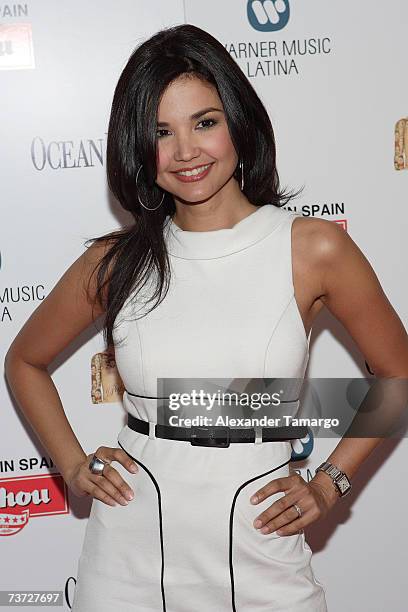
330, 469
334, 473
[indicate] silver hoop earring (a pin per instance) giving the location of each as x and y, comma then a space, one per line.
138, 197
241, 167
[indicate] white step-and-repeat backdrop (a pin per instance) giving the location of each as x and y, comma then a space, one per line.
333, 78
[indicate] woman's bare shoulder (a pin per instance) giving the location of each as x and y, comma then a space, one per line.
317, 237
314, 241
90, 261
320, 243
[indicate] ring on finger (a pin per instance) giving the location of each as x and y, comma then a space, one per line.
96, 465
298, 510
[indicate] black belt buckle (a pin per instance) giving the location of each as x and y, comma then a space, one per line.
210, 436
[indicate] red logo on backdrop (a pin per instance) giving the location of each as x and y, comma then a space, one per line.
24, 497
342, 222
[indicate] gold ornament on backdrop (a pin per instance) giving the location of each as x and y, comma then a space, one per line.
107, 385
401, 144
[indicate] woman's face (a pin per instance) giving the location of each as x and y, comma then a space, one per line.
188, 138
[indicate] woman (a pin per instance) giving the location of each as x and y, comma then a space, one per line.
203, 523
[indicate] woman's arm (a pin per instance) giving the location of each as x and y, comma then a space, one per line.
348, 286
353, 294
64, 314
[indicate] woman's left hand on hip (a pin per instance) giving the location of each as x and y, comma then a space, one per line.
314, 499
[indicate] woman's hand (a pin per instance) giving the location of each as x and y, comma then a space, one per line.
314, 498
108, 486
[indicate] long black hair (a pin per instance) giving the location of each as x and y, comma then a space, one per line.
137, 252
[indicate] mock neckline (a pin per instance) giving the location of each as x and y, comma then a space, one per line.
212, 244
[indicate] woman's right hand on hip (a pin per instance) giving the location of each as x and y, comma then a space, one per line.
109, 487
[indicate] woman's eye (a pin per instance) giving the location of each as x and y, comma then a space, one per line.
212, 122
205, 121
158, 133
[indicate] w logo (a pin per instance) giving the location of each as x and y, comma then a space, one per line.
303, 447
268, 15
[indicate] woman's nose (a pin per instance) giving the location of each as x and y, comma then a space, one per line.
186, 148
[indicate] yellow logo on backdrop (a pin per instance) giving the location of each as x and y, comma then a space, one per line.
107, 385
401, 144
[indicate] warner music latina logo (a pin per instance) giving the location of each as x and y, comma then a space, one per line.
268, 15
24, 497
273, 58
10, 295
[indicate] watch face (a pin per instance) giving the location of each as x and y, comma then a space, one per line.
343, 484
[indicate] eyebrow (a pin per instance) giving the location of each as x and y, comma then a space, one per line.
196, 115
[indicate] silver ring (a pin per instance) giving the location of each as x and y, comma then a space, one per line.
96, 465
298, 510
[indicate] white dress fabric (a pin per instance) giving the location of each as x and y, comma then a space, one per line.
186, 542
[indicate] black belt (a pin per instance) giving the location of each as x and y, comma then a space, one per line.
216, 436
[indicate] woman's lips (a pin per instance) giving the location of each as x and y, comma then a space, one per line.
194, 177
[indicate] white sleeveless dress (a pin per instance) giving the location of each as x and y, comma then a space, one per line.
186, 542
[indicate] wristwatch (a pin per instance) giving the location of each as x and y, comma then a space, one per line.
340, 480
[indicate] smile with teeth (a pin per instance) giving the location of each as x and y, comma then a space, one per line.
195, 171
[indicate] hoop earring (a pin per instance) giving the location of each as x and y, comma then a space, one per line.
138, 197
241, 167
